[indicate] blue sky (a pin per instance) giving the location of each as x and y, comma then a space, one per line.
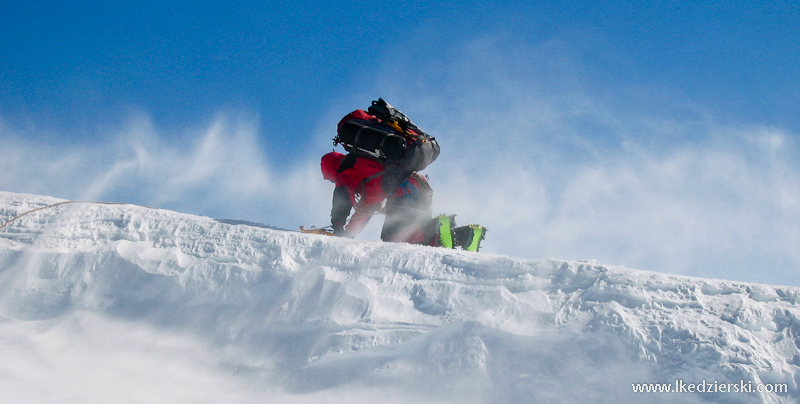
178, 59
655, 135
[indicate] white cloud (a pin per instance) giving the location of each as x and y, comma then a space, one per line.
561, 160
203, 171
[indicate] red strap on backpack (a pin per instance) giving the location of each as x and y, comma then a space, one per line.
357, 114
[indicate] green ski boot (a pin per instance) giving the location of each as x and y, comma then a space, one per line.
444, 230
469, 237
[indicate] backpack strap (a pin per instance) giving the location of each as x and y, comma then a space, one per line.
361, 188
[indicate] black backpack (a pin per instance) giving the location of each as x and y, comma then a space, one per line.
391, 138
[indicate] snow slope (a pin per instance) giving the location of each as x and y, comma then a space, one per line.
122, 303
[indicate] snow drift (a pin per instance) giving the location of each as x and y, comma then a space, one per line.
102, 302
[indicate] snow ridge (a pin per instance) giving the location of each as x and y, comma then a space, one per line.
307, 317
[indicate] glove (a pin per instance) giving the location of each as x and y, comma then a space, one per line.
340, 232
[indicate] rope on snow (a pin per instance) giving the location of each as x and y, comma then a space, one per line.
64, 203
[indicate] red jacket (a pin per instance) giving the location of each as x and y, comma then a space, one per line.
359, 185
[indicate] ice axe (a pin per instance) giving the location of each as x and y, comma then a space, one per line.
327, 230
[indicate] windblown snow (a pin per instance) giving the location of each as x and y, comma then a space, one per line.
127, 304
